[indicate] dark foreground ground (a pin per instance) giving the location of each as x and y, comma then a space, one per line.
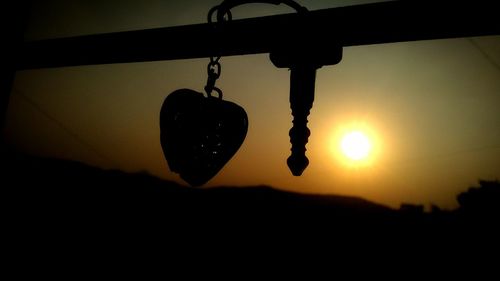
55, 202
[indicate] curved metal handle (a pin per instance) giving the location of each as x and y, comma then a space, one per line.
226, 5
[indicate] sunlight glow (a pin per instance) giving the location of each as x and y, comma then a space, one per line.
355, 145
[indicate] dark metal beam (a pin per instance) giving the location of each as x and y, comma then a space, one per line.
349, 26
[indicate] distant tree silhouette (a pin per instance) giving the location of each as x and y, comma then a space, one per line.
482, 201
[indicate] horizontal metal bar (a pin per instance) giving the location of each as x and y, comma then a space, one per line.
348, 26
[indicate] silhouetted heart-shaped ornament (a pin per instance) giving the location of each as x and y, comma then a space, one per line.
200, 134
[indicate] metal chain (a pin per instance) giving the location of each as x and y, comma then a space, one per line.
223, 14
214, 68
213, 71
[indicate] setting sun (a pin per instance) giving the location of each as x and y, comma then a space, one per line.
355, 145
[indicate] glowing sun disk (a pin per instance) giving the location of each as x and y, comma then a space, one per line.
355, 145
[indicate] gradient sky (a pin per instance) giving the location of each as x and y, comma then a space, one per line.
432, 107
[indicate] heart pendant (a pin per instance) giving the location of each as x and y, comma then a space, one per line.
200, 134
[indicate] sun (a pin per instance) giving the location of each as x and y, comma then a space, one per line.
355, 145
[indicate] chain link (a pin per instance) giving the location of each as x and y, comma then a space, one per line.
213, 71
228, 16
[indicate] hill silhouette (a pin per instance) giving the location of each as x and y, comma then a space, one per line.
61, 195
46, 182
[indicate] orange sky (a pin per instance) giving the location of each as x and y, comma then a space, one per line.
431, 106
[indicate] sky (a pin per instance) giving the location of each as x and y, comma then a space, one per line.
430, 108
